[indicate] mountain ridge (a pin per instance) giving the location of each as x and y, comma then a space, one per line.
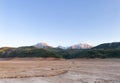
106, 50
112, 45
42, 45
75, 46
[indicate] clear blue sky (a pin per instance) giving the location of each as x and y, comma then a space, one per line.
59, 22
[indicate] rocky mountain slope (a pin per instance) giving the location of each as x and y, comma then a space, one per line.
42, 45
81, 46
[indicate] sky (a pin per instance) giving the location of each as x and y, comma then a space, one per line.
59, 22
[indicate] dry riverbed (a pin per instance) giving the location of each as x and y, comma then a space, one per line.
50, 70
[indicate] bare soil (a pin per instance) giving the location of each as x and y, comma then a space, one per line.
59, 70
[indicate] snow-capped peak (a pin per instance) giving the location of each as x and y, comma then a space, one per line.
42, 45
81, 46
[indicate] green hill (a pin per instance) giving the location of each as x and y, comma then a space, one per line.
27, 52
114, 45
107, 50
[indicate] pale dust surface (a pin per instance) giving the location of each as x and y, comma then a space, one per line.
37, 70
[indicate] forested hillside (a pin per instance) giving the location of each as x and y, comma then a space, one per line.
107, 50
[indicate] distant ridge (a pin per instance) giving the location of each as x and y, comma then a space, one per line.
42, 45
76, 46
80, 46
113, 45
106, 50
62, 47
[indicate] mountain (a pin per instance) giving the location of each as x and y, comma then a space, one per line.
80, 46
113, 45
62, 47
106, 50
26, 51
42, 45
5, 51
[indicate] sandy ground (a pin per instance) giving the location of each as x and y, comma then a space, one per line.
37, 70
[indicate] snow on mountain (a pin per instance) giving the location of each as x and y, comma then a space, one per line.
42, 45
76, 46
80, 46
